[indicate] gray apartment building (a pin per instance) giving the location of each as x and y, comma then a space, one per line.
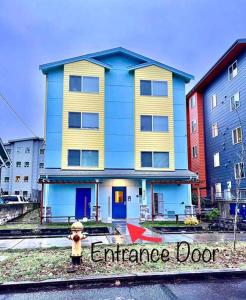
21, 178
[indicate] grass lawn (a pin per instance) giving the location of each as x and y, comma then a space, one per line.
41, 264
31, 221
149, 224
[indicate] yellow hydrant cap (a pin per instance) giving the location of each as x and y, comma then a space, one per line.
77, 225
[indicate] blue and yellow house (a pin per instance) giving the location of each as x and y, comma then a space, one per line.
115, 132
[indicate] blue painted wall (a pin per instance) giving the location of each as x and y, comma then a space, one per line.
180, 136
227, 120
119, 112
54, 118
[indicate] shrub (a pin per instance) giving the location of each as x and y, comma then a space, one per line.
192, 220
213, 215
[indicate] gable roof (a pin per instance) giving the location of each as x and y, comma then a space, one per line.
228, 57
92, 57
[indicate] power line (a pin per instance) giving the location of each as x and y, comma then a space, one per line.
18, 117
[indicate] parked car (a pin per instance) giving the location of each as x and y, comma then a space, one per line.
13, 199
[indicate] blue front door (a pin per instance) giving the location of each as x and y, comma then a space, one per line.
83, 203
119, 202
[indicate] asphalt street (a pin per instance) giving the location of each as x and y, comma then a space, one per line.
229, 289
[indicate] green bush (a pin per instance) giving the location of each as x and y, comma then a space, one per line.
213, 215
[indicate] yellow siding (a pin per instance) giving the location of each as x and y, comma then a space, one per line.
83, 139
149, 105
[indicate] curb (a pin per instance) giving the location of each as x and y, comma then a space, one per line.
102, 280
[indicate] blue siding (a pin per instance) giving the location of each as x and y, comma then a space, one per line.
54, 118
227, 120
119, 112
179, 110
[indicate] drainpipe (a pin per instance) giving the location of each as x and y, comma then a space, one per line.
42, 204
152, 200
97, 188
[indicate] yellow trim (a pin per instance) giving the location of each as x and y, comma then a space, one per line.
150, 105
83, 139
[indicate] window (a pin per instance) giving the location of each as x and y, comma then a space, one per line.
154, 159
18, 164
84, 84
235, 101
193, 101
153, 88
25, 193
6, 179
17, 178
18, 149
41, 165
237, 135
89, 158
218, 190
41, 151
84, 158
239, 170
194, 152
90, 120
8, 151
27, 150
73, 157
25, 178
26, 164
214, 101
17, 192
215, 130
154, 123
83, 120
193, 126
74, 120
119, 196
217, 159
232, 70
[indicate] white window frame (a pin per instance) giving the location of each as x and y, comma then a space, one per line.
214, 97
232, 133
233, 96
215, 131
235, 172
192, 122
229, 77
194, 152
193, 101
216, 156
218, 194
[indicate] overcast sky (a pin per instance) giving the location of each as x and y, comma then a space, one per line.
187, 34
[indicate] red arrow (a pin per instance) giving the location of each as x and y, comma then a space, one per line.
137, 232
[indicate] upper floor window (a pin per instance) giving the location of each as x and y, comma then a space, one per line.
194, 152
83, 120
154, 123
235, 101
41, 165
217, 159
26, 178
27, 150
232, 70
153, 88
6, 179
18, 149
237, 135
26, 164
84, 84
17, 178
84, 158
18, 164
239, 170
193, 101
8, 151
214, 101
193, 126
154, 159
215, 130
41, 151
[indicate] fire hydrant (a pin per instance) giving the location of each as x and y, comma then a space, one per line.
76, 236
